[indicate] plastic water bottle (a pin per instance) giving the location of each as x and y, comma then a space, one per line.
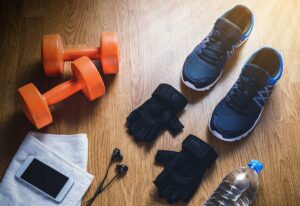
238, 188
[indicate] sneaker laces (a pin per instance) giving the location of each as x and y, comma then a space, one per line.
245, 89
215, 46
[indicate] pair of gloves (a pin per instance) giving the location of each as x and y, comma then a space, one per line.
183, 170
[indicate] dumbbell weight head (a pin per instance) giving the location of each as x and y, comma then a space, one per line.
36, 105
87, 74
53, 55
109, 52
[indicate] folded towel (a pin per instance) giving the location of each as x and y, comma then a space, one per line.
66, 153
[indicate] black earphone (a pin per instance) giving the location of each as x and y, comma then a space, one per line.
121, 170
116, 155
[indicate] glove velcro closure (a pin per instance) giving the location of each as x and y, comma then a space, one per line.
175, 125
170, 97
200, 149
164, 156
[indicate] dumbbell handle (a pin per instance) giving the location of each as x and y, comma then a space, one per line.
62, 91
75, 53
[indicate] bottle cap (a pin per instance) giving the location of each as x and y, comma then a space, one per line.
256, 165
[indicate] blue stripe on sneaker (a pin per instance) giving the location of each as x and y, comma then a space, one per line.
247, 34
273, 80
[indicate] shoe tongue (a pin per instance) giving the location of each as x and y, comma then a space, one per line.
255, 73
230, 30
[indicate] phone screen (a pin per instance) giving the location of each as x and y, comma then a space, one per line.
44, 178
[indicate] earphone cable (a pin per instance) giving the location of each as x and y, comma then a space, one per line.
91, 200
100, 185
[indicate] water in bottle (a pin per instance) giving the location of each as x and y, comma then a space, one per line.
238, 188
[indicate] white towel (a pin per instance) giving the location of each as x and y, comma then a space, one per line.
66, 153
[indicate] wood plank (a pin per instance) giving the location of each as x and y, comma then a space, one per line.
155, 38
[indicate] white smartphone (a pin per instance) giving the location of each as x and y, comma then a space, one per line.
43, 178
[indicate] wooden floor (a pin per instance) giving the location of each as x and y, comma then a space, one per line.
155, 38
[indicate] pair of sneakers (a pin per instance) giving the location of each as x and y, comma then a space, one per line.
238, 112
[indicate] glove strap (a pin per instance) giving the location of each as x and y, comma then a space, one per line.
170, 97
174, 125
164, 156
200, 149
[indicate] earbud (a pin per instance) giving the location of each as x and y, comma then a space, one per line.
121, 169
116, 155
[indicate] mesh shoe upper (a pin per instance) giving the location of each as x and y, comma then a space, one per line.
238, 112
206, 62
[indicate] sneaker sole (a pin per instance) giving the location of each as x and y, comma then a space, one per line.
191, 86
219, 136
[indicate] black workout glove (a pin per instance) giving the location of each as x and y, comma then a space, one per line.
158, 112
183, 170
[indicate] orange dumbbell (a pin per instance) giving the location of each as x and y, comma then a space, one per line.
54, 54
36, 105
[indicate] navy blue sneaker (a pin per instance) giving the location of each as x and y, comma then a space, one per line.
238, 113
204, 66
